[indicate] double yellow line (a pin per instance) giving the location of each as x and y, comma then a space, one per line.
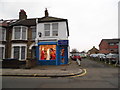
84, 72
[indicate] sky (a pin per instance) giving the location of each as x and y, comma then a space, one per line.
89, 21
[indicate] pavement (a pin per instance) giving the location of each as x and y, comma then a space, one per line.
71, 69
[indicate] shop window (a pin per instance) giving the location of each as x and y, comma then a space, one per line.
47, 52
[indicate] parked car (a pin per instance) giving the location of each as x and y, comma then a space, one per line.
93, 55
83, 55
112, 57
75, 57
101, 56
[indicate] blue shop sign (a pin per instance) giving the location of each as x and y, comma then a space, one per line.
62, 42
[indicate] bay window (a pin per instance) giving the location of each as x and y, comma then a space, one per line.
2, 52
19, 33
2, 34
19, 52
16, 52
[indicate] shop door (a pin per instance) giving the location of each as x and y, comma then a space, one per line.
63, 55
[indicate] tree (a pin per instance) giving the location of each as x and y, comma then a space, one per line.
74, 50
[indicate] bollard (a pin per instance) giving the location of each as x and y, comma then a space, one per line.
78, 61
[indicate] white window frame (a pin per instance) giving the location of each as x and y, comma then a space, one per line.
55, 29
20, 45
13, 34
1, 45
31, 31
51, 30
111, 44
1, 33
47, 30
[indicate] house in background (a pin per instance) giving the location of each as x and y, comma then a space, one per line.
109, 46
93, 51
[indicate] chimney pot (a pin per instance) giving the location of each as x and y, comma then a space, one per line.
22, 14
46, 13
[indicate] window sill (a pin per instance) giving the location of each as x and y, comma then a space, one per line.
23, 60
3, 41
33, 40
50, 36
19, 40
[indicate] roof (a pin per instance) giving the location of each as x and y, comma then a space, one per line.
110, 41
93, 49
53, 19
50, 19
6, 23
26, 22
32, 21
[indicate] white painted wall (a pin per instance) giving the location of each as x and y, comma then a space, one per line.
62, 31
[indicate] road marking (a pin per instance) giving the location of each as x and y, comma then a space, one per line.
25, 77
85, 71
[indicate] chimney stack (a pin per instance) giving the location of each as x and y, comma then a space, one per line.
46, 13
22, 14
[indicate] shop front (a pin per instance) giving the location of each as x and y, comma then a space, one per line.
52, 53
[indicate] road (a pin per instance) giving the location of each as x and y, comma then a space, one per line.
98, 76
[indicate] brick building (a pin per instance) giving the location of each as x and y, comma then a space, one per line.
109, 46
93, 50
17, 36
20, 37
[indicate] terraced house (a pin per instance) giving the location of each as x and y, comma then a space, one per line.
26, 38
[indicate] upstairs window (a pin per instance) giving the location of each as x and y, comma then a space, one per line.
47, 29
111, 44
55, 29
51, 29
2, 34
33, 32
20, 33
